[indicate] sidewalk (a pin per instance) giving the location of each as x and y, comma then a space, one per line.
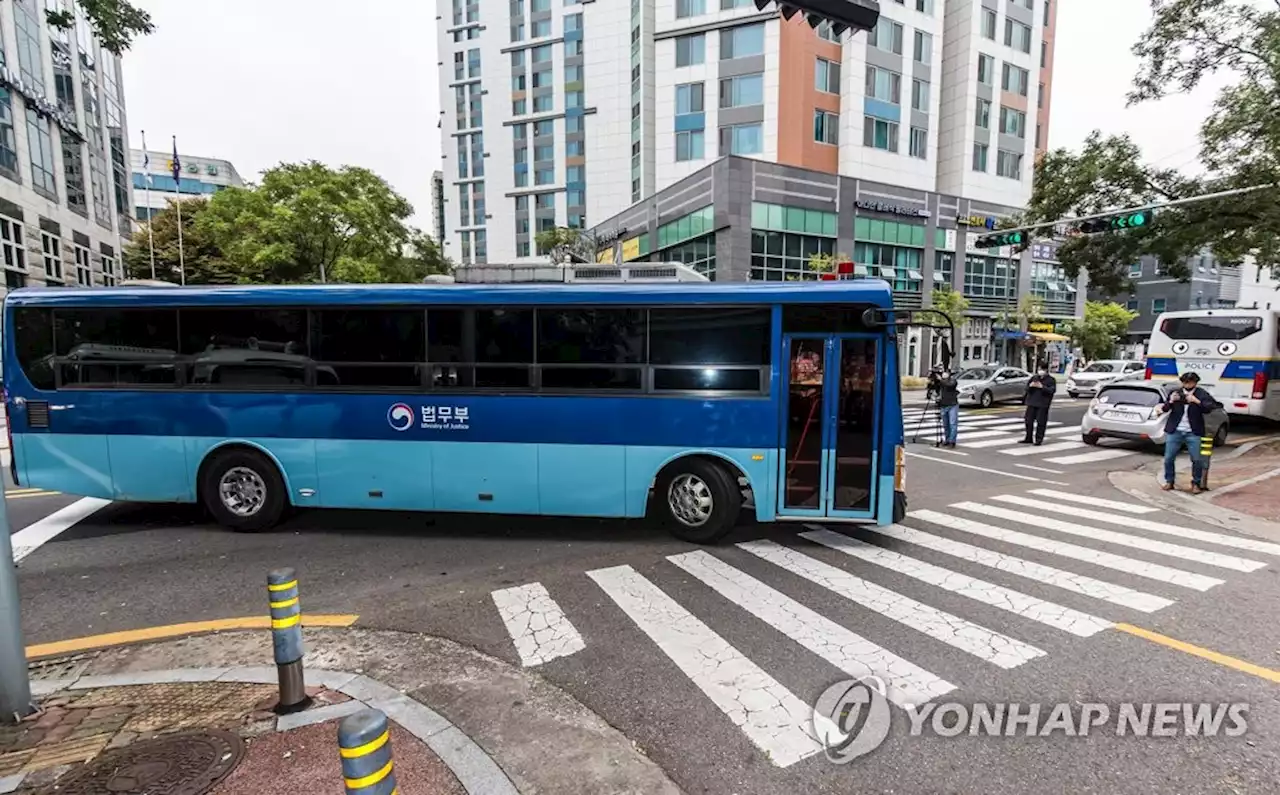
1244, 493
147, 718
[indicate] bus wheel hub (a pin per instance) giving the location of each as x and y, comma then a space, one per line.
243, 491
690, 500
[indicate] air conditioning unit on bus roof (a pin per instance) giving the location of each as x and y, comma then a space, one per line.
642, 272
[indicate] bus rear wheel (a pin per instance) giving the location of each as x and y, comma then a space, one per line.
243, 490
699, 500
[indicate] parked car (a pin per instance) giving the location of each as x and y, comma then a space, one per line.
1129, 409
1089, 380
984, 386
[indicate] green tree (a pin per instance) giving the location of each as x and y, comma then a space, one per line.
820, 264
1103, 324
558, 243
422, 257
1188, 41
204, 261
115, 23
953, 305
307, 222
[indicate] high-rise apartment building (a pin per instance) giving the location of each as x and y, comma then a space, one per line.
66, 198
589, 108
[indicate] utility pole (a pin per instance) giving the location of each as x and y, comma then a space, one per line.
15, 686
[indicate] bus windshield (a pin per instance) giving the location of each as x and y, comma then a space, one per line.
1210, 327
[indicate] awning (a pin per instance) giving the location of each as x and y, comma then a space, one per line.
888, 272
939, 276
860, 270
1045, 336
914, 275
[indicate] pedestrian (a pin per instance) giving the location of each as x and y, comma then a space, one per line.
1187, 408
1039, 396
948, 406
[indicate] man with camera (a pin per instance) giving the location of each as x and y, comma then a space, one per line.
1186, 408
943, 387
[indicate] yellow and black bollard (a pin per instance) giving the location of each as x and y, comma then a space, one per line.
1206, 456
364, 743
286, 637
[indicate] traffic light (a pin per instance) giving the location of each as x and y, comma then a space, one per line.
1002, 239
1117, 223
843, 15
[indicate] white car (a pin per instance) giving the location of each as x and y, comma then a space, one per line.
1092, 378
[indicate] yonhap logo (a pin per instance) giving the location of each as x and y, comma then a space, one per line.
400, 417
836, 718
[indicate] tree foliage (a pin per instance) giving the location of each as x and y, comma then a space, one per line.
558, 243
1103, 324
115, 23
304, 223
1188, 41
952, 304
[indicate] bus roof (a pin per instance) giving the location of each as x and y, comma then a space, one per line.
865, 291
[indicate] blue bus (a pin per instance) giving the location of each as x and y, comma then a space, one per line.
684, 403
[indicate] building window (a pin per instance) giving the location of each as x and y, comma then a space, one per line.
699, 254
741, 139
880, 134
826, 76
1009, 164
519, 107
690, 145
73, 174
1015, 79
1135, 270
544, 176
690, 8
1013, 122
986, 69
1131, 304
897, 265
925, 6
41, 145
919, 144
27, 28
51, 246
11, 245
988, 24
980, 157
742, 42
1044, 54
109, 274
982, 115
1017, 36
827, 32
989, 277
540, 5
742, 91
920, 96
826, 127
689, 98
884, 85
572, 22
886, 35
8, 139
517, 32
541, 54
923, 49
782, 256
83, 274
540, 28
1157, 305
1040, 96
691, 50
544, 104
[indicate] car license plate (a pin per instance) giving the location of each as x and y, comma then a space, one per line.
1126, 416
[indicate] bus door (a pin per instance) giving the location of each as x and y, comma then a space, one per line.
830, 427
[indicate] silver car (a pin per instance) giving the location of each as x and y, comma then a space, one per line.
1129, 409
984, 386
1089, 380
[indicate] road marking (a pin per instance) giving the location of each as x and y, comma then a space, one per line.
1007, 439
769, 714
1042, 449
1040, 469
1029, 607
36, 535
1020, 567
1097, 502
75, 645
1062, 431
948, 451
1096, 455
1110, 537
984, 469
537, 625
36, 493
983, 643
965, 434
906, 683
1221, 539
1201, 652
14, 492
1141, 568
1246, 439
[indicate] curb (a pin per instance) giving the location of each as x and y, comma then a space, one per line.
1142, 484
478, 773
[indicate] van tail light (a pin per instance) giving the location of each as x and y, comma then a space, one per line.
1259, 385
1147, 375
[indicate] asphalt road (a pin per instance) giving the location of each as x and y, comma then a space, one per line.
698, 654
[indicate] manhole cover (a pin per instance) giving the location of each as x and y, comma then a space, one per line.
189, 763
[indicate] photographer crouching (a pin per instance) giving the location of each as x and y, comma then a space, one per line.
943, 388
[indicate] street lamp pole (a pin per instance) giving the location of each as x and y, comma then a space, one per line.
15, 686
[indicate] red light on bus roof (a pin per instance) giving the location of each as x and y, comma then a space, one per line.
845, 267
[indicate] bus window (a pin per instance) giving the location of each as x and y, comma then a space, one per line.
369, 348
1210, 327
591, 348
245, 347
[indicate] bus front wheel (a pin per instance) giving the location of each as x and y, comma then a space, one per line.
243, 490
699, 500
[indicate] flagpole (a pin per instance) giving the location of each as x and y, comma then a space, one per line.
177, 173
151, 237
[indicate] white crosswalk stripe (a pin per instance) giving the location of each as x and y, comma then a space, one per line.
774, 586
1041, 449
769, 714
1103, 454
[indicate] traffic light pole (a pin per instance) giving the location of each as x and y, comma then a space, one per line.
15, 687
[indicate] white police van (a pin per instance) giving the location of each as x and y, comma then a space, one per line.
1236, 353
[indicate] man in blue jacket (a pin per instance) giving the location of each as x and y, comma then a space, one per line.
1187, 408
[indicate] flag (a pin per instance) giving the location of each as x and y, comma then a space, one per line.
177, 164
